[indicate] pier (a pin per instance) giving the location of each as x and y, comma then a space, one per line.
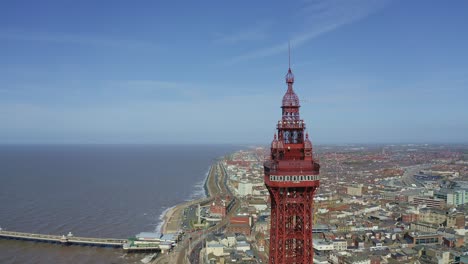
64, 240
172, 225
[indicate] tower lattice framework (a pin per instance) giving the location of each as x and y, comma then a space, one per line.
291, 176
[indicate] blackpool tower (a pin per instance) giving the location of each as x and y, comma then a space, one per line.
291, 176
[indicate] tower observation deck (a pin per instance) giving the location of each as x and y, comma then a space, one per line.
292, 177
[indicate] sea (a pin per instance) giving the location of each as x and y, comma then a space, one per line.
110, 191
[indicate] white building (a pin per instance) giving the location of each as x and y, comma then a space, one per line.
453, 197
340, 244
229, 241
245, 188
259, 205
338, 257
321, 245
215, 248
243, 246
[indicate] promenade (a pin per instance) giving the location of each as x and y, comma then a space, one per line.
173, 217
215, 185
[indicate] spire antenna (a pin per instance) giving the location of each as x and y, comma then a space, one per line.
289, 75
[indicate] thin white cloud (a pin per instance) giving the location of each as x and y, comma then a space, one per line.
319, 17
79, 39
150, 84
254, 33
177, 89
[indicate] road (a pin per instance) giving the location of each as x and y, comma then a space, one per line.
408, 178
198, 237
183, 252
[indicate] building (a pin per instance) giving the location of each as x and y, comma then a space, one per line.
218, 208
423, 238
355, 190
148, 239
229, 240
322, 246
428, 201
214, 248
432, 215
453, 197
291, 177
456, 220
409, 217
245, 188
258, 204
347, 258
239, 225
359, 259
262, 224
320, 259
242, 246
340, 244
424, 227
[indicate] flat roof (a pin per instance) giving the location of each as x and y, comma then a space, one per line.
148, 235
168, 237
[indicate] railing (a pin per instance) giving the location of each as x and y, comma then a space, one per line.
291, 124
294, 178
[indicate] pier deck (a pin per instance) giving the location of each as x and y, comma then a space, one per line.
66, 240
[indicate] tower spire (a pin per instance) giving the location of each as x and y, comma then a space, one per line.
289, 75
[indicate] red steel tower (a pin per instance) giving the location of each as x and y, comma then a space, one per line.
291, 176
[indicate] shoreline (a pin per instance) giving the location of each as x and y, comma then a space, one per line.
207, 178
173, 215
166, 215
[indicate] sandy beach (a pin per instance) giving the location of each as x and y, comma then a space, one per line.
173, 217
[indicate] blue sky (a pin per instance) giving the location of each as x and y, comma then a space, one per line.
213, 71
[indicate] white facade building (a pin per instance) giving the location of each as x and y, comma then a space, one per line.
243, 246
322, 245
216, 249
245, 188
340, 245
